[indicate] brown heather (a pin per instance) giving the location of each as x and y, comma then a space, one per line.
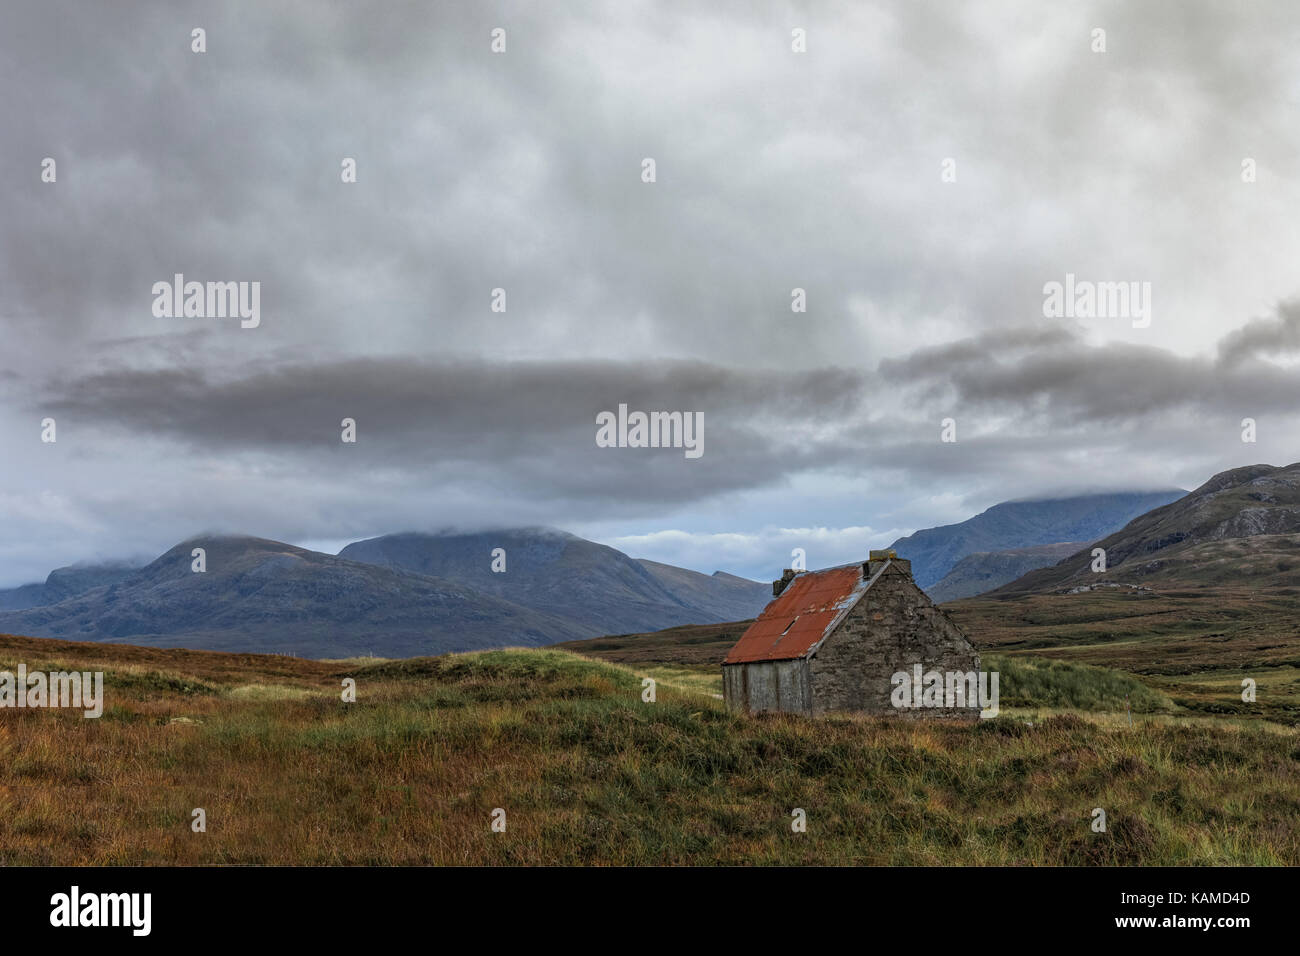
589, 774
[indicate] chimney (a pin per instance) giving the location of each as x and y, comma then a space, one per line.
786, 577
876, 560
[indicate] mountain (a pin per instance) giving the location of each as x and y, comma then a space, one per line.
986, 570
1240, 527
597, 587
1024, 524
721, 596
395, 596
28, 595
63, 583
267, 596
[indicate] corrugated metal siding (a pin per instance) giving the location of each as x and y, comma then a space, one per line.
762, 686
798, 618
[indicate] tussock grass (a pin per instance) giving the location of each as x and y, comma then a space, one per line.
1030, 682
587, 773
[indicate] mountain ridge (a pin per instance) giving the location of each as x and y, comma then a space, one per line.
592, 583
66, 582
1240, 526
985, 570
264, 595
1023, 524
258, 594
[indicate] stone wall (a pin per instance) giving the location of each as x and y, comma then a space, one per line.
892, 628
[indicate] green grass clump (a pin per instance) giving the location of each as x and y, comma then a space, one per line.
1029, 682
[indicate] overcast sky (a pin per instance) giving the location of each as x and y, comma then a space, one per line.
824, 170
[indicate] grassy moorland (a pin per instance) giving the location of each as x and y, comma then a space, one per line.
588, 773
1195, 645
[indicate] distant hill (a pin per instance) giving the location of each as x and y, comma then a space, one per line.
1024, 524
267, 596
28, 595
691, 644
63, 583
396, 596
1242, 527
722, 596
986, 570
599, 588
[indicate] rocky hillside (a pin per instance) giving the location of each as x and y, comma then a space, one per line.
1240, 527
1024, 524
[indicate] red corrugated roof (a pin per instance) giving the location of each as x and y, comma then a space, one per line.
799, 618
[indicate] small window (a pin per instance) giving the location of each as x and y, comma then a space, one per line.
788, 626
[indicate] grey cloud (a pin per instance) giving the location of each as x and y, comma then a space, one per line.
1280, 333
521, 171
528, 427
1022, 399
1055, 376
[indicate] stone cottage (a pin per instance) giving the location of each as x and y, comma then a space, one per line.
835, 639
